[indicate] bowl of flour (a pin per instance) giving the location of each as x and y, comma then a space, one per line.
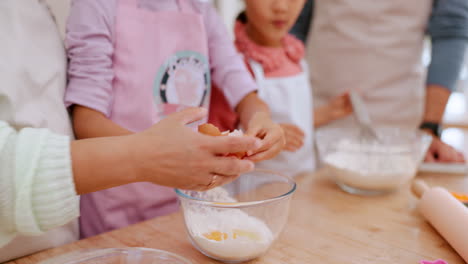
240, 221
370, 167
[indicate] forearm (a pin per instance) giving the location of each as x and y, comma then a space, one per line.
249, 106
321, 116
436, 100
102, 163
36, 180
89, 123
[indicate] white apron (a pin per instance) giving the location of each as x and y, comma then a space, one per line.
33, 79
290, 101
374, 46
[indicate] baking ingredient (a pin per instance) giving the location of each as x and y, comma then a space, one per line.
209, 129
212, 130
371, 165
228, 234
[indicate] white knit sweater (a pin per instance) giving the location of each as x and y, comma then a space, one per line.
37, 192
38, 203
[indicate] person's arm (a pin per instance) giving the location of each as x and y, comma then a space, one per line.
89, 123
448, 29
339, 107
254, 115
42, 173
89, 43
232, 76
36, 185
303, 24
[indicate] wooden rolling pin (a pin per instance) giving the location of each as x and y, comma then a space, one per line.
446, 214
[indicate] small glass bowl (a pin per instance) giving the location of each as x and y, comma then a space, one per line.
239, 221
118, 255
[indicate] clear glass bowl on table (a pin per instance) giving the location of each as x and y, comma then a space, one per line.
240, 221
118, 256
372, 167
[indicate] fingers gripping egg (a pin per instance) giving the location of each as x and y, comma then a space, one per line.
212, 130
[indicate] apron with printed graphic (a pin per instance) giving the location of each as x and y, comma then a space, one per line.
290, 101
161, 66
375, 47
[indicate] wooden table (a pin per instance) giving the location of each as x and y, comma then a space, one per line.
326, 225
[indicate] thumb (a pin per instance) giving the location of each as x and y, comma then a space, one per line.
188, 115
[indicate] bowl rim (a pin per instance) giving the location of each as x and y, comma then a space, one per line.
293, 188
421, 138
77, 256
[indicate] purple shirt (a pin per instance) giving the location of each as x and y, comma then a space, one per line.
90, 41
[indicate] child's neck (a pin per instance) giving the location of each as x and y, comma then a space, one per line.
257, 37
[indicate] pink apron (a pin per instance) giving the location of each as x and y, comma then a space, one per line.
161, 66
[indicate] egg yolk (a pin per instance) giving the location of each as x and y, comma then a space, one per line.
216, 236
237, 233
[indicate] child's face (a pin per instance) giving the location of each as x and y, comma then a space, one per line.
270, 20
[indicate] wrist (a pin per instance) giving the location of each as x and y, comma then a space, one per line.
433, 128
436, 100
134, 157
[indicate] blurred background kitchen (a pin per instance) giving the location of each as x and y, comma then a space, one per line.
456, 114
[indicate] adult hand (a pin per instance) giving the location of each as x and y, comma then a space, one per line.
171, 154
294, 137
442, 152
271, 134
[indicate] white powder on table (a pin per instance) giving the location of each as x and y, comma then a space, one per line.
370, 165
227, 233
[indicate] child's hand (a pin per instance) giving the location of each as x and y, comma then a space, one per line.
294, 137
340, 106
272, 135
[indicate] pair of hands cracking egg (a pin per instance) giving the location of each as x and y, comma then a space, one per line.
212, 130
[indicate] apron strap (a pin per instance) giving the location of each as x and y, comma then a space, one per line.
257, 70
305, 66
259, 75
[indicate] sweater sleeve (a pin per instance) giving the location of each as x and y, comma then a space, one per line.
37, 191
448, 28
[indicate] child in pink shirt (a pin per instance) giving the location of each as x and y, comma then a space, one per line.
132, 62
275, 59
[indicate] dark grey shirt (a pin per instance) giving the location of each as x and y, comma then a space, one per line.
447, 27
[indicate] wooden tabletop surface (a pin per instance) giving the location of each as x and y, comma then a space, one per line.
325, 225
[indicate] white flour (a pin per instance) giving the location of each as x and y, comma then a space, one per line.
227, 233
371, 166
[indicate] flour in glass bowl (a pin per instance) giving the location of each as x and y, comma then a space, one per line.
229, 234
370, 165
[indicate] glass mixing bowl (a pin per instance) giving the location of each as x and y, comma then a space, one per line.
118, 256
238, 221
372, 167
